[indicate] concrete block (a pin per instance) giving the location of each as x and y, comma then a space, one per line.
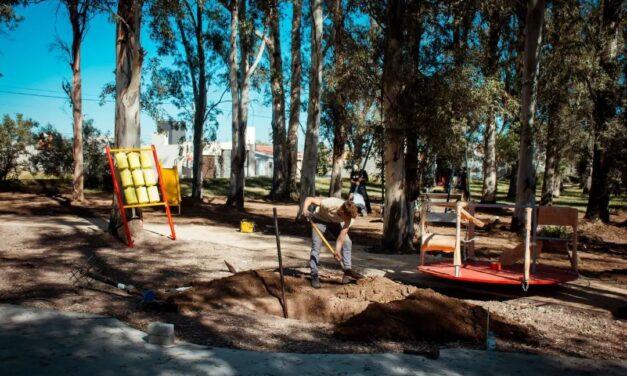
161, 334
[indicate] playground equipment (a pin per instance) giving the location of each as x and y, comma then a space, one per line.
172, 186
508, 270
133, 171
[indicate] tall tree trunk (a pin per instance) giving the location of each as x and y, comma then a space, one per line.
526, 179
549, 180
295, 102
337, 101
605, 104
395, 217
240, 72
586, 178
310, 156
279, 176
511, 188
490, 180
78, 27
129, 57
235, 105
200, 105
489, 163
411, 178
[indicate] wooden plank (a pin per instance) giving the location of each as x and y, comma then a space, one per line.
527, 244
457, 256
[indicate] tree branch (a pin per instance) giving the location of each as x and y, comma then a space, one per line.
252, 68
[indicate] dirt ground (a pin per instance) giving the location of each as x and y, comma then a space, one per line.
44, 239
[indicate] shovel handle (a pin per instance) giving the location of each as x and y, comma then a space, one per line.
326, 243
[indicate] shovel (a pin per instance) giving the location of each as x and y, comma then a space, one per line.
328, 246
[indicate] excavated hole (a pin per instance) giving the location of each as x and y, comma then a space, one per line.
375, 308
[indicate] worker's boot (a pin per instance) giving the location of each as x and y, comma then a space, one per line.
315, 281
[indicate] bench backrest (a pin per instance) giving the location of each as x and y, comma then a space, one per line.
557, 216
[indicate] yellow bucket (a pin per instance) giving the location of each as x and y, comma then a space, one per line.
246, 226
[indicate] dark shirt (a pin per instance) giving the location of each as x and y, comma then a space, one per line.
357, 175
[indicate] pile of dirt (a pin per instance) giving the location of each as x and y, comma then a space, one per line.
372, 309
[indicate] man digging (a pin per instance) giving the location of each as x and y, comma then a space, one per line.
335, 216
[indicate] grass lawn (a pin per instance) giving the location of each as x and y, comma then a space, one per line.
259, 187
571, 195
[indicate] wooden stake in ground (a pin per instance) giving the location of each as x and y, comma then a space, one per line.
278, 249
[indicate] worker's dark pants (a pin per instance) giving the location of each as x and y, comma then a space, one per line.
316, 244
361, 189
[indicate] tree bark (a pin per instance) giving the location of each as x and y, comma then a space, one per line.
549, 180
235, 105
128, 65
605, 104
310, 155
279, 176
511, 189
200, 97
490, 179
78, 21
489, 163
395, 217
526, 179
337, 102
240, 71
295, 102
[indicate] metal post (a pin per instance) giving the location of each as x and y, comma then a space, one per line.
278, 248
118, 195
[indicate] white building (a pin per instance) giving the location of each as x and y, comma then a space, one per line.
172, 149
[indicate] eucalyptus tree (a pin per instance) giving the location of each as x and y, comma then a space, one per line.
526, 180
310, 154
279, 141
495, 16
336, 93
129, 58
242, 63
186, 31
395, 206
604, 34
561, 96
295, 101
79, 12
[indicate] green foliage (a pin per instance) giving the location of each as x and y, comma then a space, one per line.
8, 17
15, 135
559, 232
96, 170
53, 152
324, 159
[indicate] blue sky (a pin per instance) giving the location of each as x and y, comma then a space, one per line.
30, 66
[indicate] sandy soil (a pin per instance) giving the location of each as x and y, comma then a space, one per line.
44, 239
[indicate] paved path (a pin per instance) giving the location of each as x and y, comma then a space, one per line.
44, 342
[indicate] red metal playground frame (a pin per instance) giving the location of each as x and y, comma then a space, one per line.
120, 199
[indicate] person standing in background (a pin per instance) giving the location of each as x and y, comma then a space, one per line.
359, 178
